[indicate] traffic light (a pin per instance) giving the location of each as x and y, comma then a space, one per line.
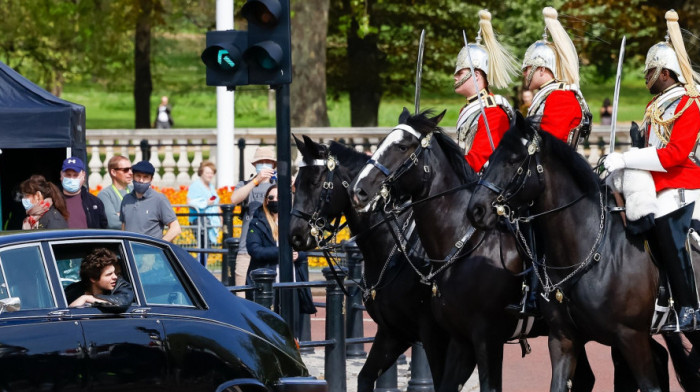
224, 58
269, 51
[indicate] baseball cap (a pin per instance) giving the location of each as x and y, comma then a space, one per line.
143, 167
264, 153
73, 163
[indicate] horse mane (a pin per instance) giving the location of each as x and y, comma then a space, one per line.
421, 123
576, 164
348, 157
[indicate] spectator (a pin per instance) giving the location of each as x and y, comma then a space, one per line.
163, 117
263, 246
253, 192
44, 204
146, 211
119, 169
606, 112
527, 101
100, 281
202, 197
84, 209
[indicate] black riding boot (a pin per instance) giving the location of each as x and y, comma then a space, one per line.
528, 307
669, 248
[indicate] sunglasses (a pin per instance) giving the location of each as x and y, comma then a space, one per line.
123, 169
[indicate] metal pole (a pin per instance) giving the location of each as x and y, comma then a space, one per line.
353, 308
224, 109
241, 159
264, 294
227, 212
305, 322
284, 192
145, 150
228, 265
387, 382
421, 380
335, 370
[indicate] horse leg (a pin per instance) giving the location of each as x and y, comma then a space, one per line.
637, 352
686, 360
584, 379
384, 352
624, 379
459, 365
489, 354
563, 353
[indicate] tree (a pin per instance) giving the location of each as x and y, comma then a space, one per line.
308, 89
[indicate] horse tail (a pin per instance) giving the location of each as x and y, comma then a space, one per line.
686, 360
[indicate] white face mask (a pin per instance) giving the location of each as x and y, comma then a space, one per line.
260, 166
72, 185
27, 203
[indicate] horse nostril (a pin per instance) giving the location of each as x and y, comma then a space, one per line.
478, 213
361, 194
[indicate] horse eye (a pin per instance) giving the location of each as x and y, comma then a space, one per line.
402, 148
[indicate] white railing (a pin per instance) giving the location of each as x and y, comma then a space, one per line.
180, 151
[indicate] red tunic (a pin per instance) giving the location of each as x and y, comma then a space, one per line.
681, 172
480, 152
562, 113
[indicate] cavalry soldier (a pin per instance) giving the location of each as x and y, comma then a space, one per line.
552, 69
492, 65
669, 143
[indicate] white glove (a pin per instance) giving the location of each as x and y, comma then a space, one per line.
614, 161
643, 159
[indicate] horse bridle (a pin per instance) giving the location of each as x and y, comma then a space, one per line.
411, 161
318, 224
518, 182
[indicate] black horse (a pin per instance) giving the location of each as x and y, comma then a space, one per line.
393, 295
599, 284
474, 274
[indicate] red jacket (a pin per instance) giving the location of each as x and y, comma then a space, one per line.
681, 172
562, 113
480, 152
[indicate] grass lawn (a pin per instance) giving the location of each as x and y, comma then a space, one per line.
179, 73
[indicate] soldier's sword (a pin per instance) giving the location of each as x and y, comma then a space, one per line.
419, 70
476, 86
616, 96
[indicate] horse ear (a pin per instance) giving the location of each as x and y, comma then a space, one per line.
312, 147
299, 143
436, 120
405, 114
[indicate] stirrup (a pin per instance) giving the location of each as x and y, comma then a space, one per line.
682, 324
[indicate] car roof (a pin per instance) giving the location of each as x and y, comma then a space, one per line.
16, 237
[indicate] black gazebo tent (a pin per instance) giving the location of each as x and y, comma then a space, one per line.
37, 131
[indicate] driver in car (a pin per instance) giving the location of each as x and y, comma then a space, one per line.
100, 282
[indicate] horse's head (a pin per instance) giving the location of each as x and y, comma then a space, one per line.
513, 179
320, 191
399, 153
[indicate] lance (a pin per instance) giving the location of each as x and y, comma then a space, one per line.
616, 96
476, 86
419, 70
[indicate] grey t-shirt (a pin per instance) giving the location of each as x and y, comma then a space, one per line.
113, 203
147, 215
255, 200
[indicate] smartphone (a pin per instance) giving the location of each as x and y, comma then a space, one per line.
212, 198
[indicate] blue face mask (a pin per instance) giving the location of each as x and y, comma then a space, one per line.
27, 204
141, 187
260, 166
72, 185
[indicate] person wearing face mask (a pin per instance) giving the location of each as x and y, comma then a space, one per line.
146, 211
252, 193
44, 204
262, 243
85, 211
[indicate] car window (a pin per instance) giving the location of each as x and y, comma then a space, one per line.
160, 283
24, 276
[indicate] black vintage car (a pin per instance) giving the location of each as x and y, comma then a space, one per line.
183, 332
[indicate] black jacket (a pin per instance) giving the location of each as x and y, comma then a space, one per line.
94, 210
122, 294
52, 219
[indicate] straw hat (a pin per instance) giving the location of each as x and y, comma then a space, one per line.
264, 153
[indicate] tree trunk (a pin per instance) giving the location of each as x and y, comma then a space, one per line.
308, 89
364, 81
143, 85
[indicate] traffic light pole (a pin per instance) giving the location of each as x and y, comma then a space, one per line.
284, 192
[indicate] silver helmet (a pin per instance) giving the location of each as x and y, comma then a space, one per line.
662, 55
479, 56
541, 54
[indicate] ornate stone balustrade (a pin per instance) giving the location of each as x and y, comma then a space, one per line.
177, 153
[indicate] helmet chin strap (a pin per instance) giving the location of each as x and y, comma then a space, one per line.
530, 75
463, 79
654, 77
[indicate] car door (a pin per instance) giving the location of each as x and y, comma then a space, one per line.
125, 351
41, 347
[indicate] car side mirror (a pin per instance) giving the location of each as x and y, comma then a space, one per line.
11, 304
